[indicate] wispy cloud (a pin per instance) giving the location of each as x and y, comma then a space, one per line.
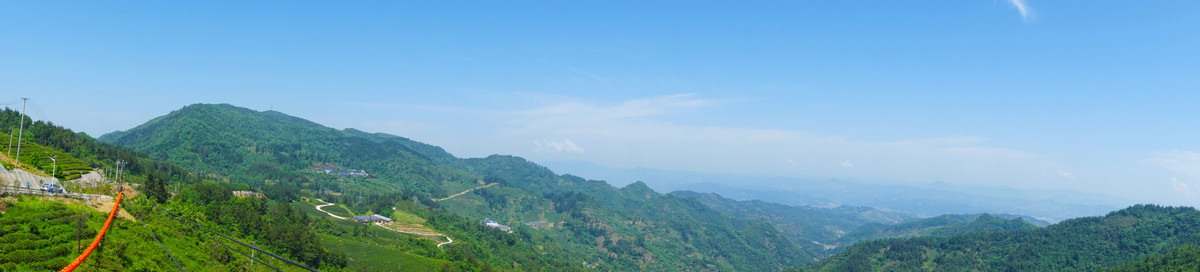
1182, 187
1026, 12
1065, 174
642, 107
1186, 163
639, 132
555, 147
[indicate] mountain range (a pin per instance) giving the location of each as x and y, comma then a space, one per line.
193, 159
921, 200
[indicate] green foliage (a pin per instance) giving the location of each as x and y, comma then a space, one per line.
155, 188
802, 224
43, 235
36, 156
595, 224
38, 235
940, 226
631, 228
1082, 244
78, 152
275, 224
261, 149
1181, 258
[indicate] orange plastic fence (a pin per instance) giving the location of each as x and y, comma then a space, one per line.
99, 236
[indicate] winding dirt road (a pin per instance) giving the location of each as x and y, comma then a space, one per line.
327, 204
447, 242
464, 192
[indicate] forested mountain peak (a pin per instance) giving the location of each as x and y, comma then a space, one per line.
258, 146
639, 189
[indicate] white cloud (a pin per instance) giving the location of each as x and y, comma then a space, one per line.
1065, 174
1182, 187
1181, 162
557, 147
1026, 12
639, 133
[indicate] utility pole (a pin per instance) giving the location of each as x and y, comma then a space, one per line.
120, 177
22, 131
10, 135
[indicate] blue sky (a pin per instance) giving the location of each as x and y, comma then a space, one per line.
1098, 96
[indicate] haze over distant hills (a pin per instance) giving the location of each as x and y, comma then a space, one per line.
924, 201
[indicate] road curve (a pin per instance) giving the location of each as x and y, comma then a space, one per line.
327, 204
448, 241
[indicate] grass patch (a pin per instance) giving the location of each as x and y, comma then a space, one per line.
407, 218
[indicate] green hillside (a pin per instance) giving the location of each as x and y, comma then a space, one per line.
256, 148
37, 157
79, 152
597, 225
291, 232
1081, 244
1180, 259
44, 235
939, 226
809, 226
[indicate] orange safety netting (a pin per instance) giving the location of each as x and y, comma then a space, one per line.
99, 236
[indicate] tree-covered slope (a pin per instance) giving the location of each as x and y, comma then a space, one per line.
1180, 259
829, 230
631, 228
940, 226
253, 147
289, 230
803, 224
77, 152
1081, 244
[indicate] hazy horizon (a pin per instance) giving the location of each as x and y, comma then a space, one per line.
1038, 95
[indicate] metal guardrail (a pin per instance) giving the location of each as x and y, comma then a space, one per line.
20, 190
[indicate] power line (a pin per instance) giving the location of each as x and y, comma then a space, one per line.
160, 244
252, 247
243, 244
38, 111
177, 218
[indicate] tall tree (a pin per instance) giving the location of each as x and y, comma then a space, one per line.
156, 188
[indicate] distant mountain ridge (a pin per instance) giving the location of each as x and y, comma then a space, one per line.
925, 201
840, 227
941, 226
1080, 244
